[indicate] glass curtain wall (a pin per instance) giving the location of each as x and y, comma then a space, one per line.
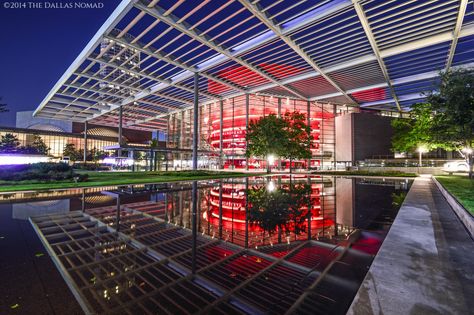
56, 143
222, 129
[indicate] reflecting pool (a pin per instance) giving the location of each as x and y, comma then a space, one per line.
258, 245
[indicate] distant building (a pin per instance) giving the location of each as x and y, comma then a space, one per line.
57, 133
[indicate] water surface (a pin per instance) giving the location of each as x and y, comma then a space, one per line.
260, 245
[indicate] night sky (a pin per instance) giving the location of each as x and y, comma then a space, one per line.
36, 48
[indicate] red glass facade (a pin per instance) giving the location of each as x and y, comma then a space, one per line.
222, 127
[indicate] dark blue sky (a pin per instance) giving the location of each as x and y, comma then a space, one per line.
37, 46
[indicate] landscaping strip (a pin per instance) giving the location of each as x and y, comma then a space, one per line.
461, 187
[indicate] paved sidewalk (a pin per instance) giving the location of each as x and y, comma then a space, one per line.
426, 263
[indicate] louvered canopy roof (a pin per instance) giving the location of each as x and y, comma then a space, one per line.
380, 54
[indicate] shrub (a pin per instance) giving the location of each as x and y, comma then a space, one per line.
90, 167
38, 171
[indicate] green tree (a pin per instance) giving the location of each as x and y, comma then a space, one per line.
445, 121
299, 135
453, 106
9, 143
97, 155
267, 135
39, 146
71, 152
416, 130
287, 137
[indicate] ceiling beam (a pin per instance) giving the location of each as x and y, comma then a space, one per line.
375, 48
158, 55
262, 16
158, 13
144, 74
457, 30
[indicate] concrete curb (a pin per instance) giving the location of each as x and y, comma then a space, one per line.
464, 216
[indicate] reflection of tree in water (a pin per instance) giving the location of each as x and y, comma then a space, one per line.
398, 198
284, 208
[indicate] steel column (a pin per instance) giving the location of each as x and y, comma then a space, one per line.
85, 142
457, 30
247, 99
220, 209
308, 120
195, 121
120, 131
279, 116
373, 43
221, 141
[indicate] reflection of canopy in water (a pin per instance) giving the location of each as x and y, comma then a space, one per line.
23, 211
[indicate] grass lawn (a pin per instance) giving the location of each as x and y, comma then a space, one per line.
460, 187
116, 178
367, 173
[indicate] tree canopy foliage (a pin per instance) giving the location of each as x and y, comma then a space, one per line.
286, 137
9, 143
71, 152
445, 121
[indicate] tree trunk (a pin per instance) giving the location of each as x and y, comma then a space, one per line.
470, 162
291, 169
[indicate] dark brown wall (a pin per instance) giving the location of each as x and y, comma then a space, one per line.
372, 135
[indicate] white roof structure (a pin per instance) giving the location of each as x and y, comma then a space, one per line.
380, 54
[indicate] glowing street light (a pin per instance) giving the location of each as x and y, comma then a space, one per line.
271, 160
271, 186
467, 150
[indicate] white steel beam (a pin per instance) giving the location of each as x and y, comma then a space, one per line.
158, 55
370, 36
262, 16
157, 13
457, 30
259, 41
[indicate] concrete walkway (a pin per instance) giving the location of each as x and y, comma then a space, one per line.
426, 263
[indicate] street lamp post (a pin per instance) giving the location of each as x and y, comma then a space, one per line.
270, 160
421, 150
468, 156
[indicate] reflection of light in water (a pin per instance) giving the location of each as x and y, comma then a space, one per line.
271, 186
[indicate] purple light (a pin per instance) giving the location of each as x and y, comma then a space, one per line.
19, 159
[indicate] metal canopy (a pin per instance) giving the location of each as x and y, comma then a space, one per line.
372, 53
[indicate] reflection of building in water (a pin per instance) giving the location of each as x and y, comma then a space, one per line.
222, 211
153, 252
233, 217
363, 203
